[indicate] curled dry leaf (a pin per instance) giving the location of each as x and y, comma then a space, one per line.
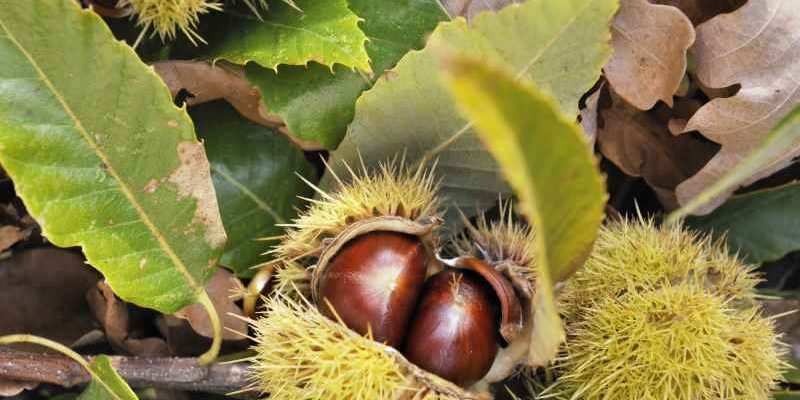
589, 114
42, 293
112, 313
220, 288
640, 144
10, 387
649, 60
200, 82
758, 47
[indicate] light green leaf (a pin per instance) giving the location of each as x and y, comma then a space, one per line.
559, 45
324, 31
106, 383
101, 156
253, 169
761, 226
317, 103
785, 135
544, 156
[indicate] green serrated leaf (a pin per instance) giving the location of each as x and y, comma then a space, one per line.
786, 134
544, 156
253, 169
101, 156
559, 45
317, 103
326, 32
106, 383
761, 226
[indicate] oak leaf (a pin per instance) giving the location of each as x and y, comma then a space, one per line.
640, 144
757, 47
649, 60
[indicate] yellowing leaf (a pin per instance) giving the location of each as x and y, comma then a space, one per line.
544, 156
757, 47
560, 45
786, 135
649, 60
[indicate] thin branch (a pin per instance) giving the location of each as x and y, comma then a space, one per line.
163, 373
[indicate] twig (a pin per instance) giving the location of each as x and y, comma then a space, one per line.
163, 373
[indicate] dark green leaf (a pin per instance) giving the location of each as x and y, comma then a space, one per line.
253, 169
317, 103
762, 226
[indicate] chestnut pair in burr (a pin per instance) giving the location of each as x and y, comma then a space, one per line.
450, 321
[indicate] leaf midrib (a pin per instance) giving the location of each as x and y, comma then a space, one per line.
465, 128
126, 191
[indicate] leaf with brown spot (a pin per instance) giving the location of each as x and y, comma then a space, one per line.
640, 144
649, 59
201, 82
757, 47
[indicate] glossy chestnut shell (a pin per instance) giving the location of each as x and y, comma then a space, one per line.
455, 330
373, 283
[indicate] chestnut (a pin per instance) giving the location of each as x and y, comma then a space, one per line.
455, 330
373, 283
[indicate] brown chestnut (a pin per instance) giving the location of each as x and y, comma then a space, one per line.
455, 330
373, 283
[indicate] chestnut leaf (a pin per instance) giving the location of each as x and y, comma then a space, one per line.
761, 226
107, 163
560, 45
316, 102
326, 32
254, 173
543, 155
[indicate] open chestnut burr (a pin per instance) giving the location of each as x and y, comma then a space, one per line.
369, 310
449, 324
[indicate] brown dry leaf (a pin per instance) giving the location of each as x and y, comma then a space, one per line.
789, 322
640, 144
10, 235
589, 114
10, 387
649, 59
468, 8
758, 47
42, 293
700, 11
200, 82
220, 288
113, 315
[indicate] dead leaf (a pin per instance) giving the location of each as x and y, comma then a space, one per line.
640, 144
468, 8
10, 235
42, 293
10, 387
758, 47
200, 82
219, 288
589, 114
113, 315
649, 59
700, 11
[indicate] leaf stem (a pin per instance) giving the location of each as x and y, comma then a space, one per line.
216, 342
22, 338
